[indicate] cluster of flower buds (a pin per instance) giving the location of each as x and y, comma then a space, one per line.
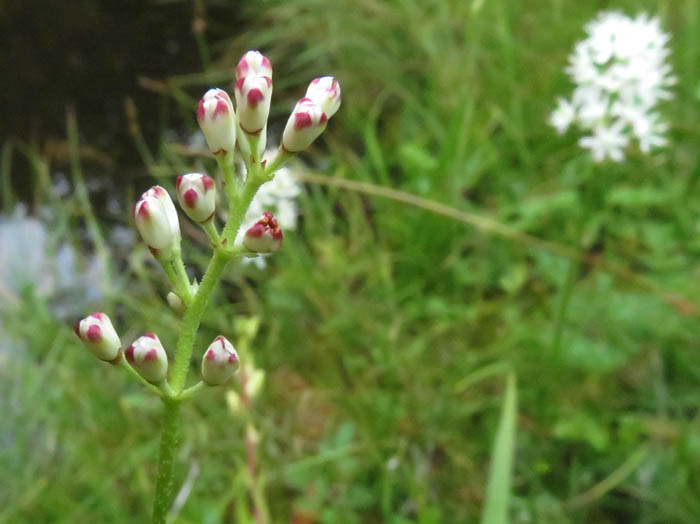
147, 356
216, 118
265, 236
311, 114
98, 335
219, 362
197, 196
156, 220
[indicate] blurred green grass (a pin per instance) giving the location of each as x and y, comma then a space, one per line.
387, 332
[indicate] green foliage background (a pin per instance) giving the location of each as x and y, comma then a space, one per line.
387, 331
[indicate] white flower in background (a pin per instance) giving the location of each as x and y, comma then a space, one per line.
621, 73
278, 196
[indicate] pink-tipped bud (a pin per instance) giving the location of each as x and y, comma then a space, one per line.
325, 92
253, 63
219, 362
147, 356
265, 236
306, 122
156, 220
253, 95
217, 120
98, 335
197, 196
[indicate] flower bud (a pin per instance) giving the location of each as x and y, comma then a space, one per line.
306, 122
265, 236
175, 303
219, 362
253, 95
325, 92
98, 335
156, 220
197, 196
253, 63
147, 356
216, 119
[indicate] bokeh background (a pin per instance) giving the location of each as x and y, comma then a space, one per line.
387, 325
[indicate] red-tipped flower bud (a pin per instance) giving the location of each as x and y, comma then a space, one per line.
253, 95
306, 122
156, 220
197, 196
265, 236
325, 92
253, 63
98, 335
219, 362
147, 356
217, 120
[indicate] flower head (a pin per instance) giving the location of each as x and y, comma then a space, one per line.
197, 196
216, 118
156, 220
219, 362
147, 356
325, 92
265, 236
305, 124
98, 335
621, 73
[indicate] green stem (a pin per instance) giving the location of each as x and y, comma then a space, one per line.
124, 364
166, 461
239, 205
193, 391
210, 228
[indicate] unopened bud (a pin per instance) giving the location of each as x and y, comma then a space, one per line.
156, 220
305, 124
219, 362
175, 303
325, 92
253, 95
98, 335
147, 356
265, 236
253, 63
197, 196
217, 120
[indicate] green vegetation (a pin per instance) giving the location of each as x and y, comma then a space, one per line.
389, 325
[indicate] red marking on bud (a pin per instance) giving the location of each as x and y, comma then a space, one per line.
266, 63
242, 68
77, 328
315, 80
94, 333
305, 99
257, 230
159, 191
207, 182
200, 111
267, 215
150, 335
190, 198
232, 359
255, 96
98, 316
277, 234
142, 210
178, 181
153, 251
324, 118
129, 353
302, 120
221, 107
263, 163
210, 355
268, 80
151, 355
239, 83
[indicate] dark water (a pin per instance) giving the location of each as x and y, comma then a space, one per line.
90, 54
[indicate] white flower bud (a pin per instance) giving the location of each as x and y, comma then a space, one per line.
147, 356
253, 63
306, 122
156, 220
197, 196
98, 335
265, 236
219, 362
253, 95
325, 92
175, 303
217, 120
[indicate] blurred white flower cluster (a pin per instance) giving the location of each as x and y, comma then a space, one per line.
621, 73
279, 196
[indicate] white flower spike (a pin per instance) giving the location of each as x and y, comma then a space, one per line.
621, 73
98, 335
219, 362
147, 356
197, 196
216, 118
156, 220
325, 92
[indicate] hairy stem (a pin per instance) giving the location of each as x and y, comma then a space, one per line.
166, 461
